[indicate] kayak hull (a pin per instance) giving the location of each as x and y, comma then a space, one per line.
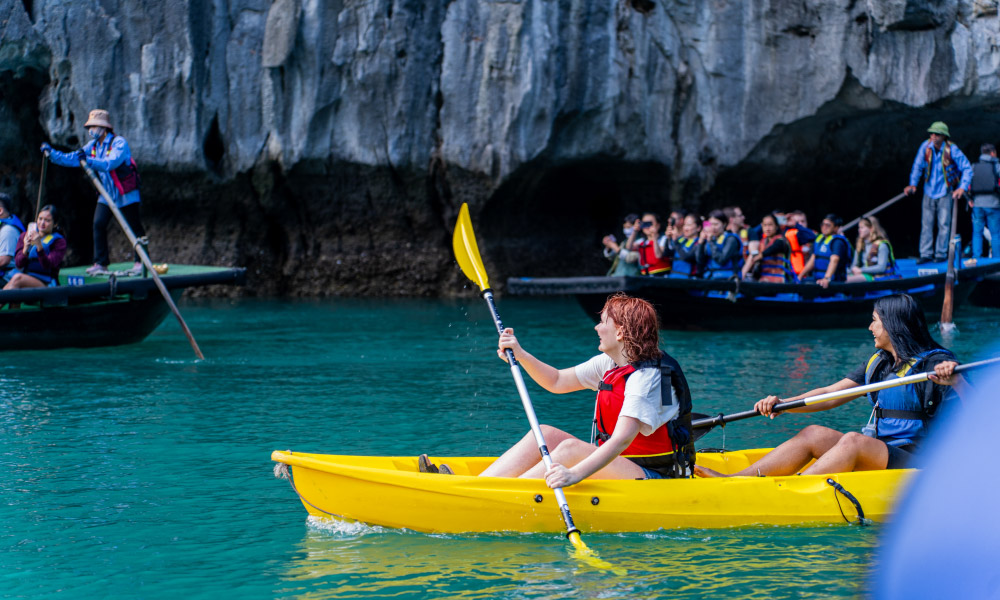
390, 492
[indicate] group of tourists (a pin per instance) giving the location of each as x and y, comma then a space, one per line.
642, 418
30, 256
781, 249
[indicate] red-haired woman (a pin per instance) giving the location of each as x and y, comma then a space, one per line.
638, 421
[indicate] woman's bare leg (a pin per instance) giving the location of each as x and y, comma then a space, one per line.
854, 452
573, 450
788, 458
524, 454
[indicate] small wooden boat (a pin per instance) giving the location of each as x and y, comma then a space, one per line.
390, 492
85, 311
724, 305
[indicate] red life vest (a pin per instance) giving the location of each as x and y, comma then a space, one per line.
610, 398
797, 258
649, 264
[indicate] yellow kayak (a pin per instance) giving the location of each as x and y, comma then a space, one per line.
391, 492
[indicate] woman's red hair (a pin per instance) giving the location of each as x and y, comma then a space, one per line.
639, 323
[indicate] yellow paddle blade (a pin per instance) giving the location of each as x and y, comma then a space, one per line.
582, 553
467, 251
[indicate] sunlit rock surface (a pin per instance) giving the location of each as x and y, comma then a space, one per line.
326, 145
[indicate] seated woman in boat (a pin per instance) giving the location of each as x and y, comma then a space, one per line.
643, 410
649, 247
901, 414
873, 255
770, 264
722, 249
687, 248
39, 253
831, 253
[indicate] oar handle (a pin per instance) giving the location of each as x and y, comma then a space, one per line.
142, 255
848, 393
872, 212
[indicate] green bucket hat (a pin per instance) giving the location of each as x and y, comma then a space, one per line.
939, 127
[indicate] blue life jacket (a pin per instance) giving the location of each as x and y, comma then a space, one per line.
35, 267
900, 416
16, 223
823, 250
730, 268
683, 268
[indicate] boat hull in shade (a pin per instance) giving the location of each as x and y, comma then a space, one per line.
719, 305
100, 311
390, 492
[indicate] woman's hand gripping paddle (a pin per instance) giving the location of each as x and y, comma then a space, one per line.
467, 255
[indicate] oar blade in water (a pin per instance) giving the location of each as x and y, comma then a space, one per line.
584, 554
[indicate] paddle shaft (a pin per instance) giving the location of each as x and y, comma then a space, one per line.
142, 255
885, 204
948, 305
848, 393
41, 183
529, 410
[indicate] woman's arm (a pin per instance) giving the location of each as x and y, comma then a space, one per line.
625, 431
557, 381
53, 258
20, 255
766, 405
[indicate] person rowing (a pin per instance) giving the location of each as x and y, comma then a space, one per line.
639, 423
900, 416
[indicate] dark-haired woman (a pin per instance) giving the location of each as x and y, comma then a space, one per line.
39, 253
900, 415
771, 264
637, 420
723, 249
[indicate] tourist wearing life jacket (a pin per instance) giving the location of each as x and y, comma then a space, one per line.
109, 156
687, 248
831, 253
770, 264
645, 428
873, 255
737, 223
723, 250
946, 175
800, 240
901, 418
39, 253
11, 229
618, 253
985, 203
649, 248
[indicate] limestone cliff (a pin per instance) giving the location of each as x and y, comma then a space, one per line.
326, 144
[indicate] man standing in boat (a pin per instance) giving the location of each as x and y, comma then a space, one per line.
946, 174
900, 417
11, 229
643, 415
109, 155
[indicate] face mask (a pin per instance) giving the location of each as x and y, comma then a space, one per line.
627, 232
95, 132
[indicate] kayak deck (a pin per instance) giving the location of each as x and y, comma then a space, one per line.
390, 491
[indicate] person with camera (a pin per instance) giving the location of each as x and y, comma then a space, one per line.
723, 250
650, 247
40, 251
618, 253
686, 247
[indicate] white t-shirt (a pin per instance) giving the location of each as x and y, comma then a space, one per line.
8, 240
642, 392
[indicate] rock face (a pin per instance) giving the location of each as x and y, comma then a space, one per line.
326, 144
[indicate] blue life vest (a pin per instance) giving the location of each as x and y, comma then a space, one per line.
900, 416
683, 268
730, 268
16, 223
35, 267
823, 251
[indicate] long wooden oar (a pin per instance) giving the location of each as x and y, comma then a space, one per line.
41, 183
702, 426
948, 304
467, 254
142, 255
885, 204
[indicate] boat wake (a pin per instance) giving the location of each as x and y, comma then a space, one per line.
341, 528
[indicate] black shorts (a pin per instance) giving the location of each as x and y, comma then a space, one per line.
900, 456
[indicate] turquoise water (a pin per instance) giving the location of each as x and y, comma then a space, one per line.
137, 472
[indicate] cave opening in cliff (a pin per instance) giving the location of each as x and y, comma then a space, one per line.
548, 219
213, 147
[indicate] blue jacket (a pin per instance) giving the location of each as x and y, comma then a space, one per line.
103, 157
935, 185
